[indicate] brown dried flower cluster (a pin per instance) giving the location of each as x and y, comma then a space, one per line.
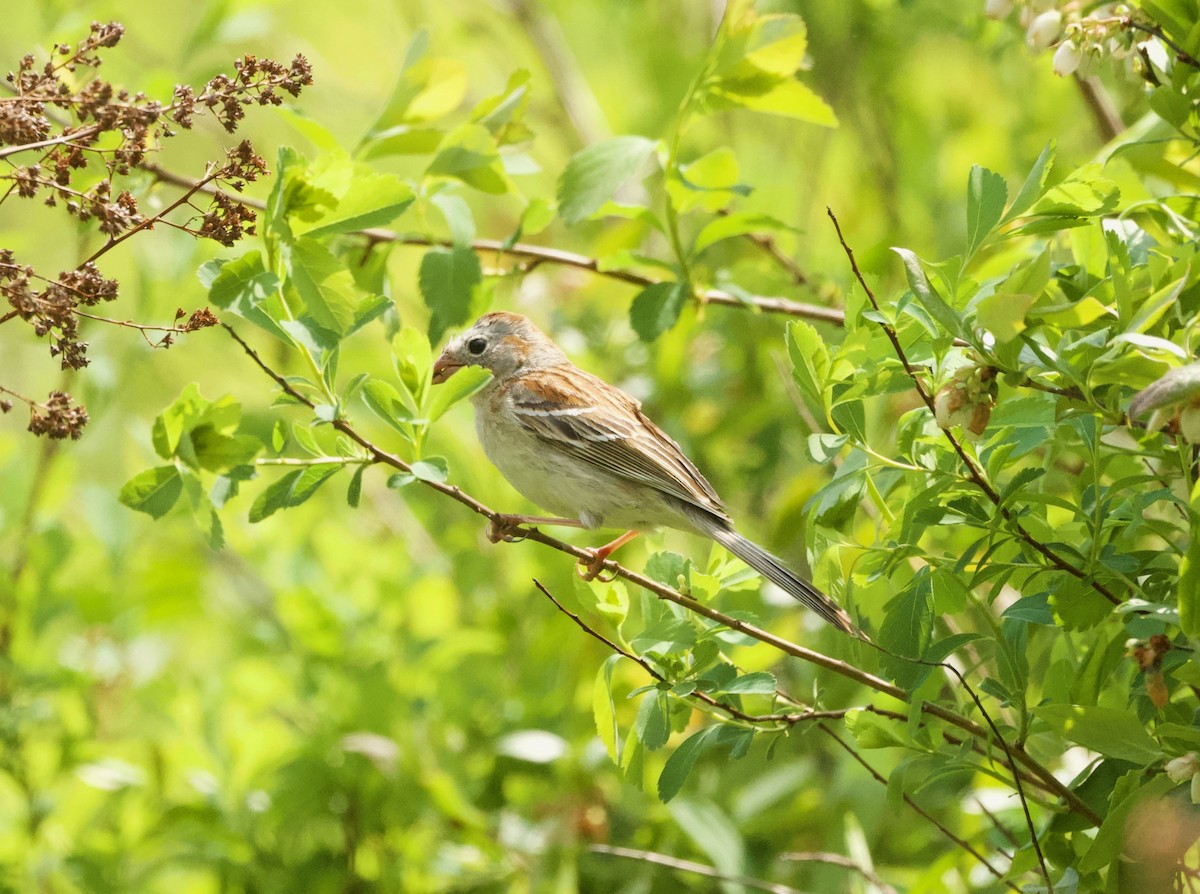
60, 129
57, 418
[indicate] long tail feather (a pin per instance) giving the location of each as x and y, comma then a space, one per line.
779, 574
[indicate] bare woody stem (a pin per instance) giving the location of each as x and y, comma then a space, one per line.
543, 255
1046, 779
975, 473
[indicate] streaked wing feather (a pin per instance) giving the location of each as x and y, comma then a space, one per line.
585, 416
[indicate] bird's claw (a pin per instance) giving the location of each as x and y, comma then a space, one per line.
591, 568
506, 529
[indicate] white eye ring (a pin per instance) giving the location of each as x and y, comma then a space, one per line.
477, 346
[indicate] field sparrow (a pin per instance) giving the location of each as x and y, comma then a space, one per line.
579, 447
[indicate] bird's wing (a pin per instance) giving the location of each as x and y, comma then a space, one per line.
574, 411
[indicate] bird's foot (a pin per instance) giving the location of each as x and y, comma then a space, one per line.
506, 529
590, 567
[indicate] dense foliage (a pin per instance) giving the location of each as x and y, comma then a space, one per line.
300, 665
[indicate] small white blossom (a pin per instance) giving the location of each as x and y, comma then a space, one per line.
998, 9
1066, 58
1181, 769
1044, 30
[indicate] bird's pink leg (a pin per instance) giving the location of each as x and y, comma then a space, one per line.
508, 527
589, 569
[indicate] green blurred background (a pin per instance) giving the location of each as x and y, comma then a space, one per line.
345, 700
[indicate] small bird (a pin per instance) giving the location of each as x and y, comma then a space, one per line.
580, 448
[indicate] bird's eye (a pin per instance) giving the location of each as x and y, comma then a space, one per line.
477, 346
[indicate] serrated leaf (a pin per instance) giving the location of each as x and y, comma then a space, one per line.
593, 175
682, 760
653, 722
326, 286
245, 287
1114, 732
153, 492
810, 364
906, 630
986, 195
656, 309
448, 278
1034, 183
927, 295
291, 490
355, 197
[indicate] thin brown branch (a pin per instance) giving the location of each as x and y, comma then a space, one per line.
149, 222
839, 860
789, 719
1045, 779
1104, 111
82, 133
539, 254
961, 842
574, 94
975, 473
690, 867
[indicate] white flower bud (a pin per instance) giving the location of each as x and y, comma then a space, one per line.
1044, 29
1066, 58
1181, 769
998, 9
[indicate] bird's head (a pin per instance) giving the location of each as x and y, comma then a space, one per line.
504, 343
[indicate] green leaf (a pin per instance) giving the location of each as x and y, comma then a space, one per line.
604, 709
1085, 192
789, 98
291, 490
244, 286
462, 384
758, 683
504, 113
354, 491
448, 278
458, 216
428, 88
656, 309
652, 723
810, 364
927, 295
154, 491
355, 197
385, 401
986, 195
1034, 183
431, 468
682, 760
468, 153
594, 174
906, 630
739, 223
1114, 732
327, 288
